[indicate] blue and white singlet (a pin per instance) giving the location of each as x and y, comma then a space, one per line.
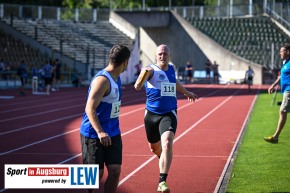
108, 110
285, 76
161, 90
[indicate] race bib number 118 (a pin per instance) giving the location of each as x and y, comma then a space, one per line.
168, 89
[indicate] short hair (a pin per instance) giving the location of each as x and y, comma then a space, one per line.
286, 46
119, 54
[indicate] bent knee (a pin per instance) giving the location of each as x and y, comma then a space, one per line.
114, 172
156, 149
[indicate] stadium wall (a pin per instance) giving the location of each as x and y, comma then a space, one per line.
185, 41
159, 27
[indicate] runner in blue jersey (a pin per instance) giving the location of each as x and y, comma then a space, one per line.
161, 109
100, 132
284, 80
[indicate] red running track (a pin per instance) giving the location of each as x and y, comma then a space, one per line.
39, 129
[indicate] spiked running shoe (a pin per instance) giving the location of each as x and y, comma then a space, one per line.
271, 139
162, 187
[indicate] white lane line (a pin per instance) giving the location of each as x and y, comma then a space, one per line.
60, 119
123, 180
126, 133
177, 138
40, 113
37, 142
140, 126
42, 123
219, 183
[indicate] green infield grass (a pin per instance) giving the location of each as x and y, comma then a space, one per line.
261, 166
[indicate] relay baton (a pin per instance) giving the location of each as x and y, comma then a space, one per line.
142, 77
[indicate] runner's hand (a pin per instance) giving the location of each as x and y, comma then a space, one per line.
105, 139
191, 97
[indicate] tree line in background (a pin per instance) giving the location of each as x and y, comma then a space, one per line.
127, 3
116, 3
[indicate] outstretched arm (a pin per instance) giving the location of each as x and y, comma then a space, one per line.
144, 75
190, 95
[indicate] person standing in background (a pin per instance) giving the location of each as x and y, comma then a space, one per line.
284, 80
207, 70
57, 74
215, 69
48, 69
189, 72
249, 76
22, 73
34, 79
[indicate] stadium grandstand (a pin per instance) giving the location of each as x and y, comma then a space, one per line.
235, 36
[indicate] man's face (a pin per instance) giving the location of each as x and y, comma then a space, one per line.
125, 66
284, 54
162, 55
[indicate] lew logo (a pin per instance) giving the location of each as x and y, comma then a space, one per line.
84, 176
51, 176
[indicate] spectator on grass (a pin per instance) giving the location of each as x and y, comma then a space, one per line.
284, 81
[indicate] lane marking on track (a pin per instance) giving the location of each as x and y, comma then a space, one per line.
56, 120
177, 138
44, 140
219, 183
36, 125
126, 133
37, 106
45, 103
134, 129
68, 117
73, 157
51, 111
37, 142
40, 113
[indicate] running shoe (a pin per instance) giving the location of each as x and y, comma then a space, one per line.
271, 139
162, 187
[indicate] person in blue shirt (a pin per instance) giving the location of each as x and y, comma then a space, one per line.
100, 131
47, 74
161, 109
284, 80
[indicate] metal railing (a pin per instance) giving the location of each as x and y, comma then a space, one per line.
280, 11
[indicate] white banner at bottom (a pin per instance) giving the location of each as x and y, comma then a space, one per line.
51, 176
